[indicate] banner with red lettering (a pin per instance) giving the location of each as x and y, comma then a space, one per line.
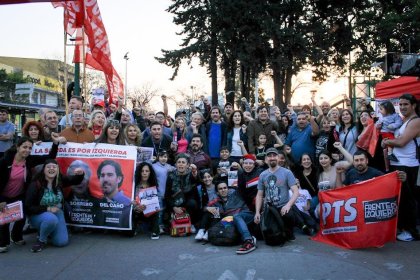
98, 53
103, 199
361, 215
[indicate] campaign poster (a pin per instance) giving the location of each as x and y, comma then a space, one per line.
361, 215
41, 148
12, 212
103, 199
149, 198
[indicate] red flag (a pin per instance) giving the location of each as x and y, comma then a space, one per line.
369, 138
361, 215
98, 55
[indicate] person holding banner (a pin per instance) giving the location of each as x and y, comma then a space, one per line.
112, 134
406, 149
15, 173
44, 204
273, 187
145, 178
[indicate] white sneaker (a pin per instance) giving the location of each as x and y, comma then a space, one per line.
200, 234
206, 236
255, 241
4, 249
405, 236
193, 230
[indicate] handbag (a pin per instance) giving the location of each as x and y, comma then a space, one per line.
180, 224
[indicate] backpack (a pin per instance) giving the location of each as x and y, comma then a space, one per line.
224, 233
180, 225
272, 227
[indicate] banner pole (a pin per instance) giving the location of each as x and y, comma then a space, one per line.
66, 102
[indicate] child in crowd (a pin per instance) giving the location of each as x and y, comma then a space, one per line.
162, 168
388, 123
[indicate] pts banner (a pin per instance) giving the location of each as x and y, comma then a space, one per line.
361, 215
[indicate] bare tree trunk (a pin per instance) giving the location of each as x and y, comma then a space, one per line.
288, 86
213, 71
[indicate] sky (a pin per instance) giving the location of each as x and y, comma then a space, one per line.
140, 27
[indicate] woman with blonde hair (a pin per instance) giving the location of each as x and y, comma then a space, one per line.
179, 130
133, 135
97, 123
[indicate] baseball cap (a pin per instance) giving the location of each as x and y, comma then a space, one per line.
272, 151
99, 103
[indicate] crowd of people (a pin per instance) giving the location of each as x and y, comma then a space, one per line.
282, 159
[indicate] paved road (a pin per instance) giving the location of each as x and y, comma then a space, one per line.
112, 256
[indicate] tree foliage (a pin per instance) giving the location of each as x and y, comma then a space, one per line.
244, 38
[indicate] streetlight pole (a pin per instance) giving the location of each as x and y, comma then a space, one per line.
126, 84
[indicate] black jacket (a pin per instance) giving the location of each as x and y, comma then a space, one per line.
31, 161
35, 193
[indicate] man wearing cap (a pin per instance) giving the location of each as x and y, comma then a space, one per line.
228, 110
248, 180
274, 185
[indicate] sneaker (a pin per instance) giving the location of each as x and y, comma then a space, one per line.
206, 236
200, 234
193, 230
4, 249
161, 230
405, 236
254, 239
247, 247
20, 242
392, 157
308, 230
154, 236
38, 247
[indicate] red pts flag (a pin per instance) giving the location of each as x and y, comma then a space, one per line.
361, 215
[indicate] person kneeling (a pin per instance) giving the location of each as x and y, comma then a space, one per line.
44, 202
231, 204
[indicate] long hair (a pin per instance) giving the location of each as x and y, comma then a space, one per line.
139, 138
152, 180
41, 181
175, 129
351, 120
103, 138
13, 149
231, 125
38, 125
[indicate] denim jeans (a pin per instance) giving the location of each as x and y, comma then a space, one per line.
241, 222
53, 225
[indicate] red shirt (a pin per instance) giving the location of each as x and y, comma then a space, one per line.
14, 186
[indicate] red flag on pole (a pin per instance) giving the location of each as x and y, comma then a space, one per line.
98, 54
361, 215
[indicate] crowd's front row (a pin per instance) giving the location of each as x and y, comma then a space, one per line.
207, 199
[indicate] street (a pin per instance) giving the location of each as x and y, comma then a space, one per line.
112, 256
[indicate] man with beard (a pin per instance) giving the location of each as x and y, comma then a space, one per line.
198, 157
216, 131
228, 110
261, 125
360, 171
248, 180
273, 185
75, 103
116, 207
159, 141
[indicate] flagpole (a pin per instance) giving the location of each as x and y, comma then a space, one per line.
84, 67
66, 102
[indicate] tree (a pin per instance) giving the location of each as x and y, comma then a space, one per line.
143, 96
